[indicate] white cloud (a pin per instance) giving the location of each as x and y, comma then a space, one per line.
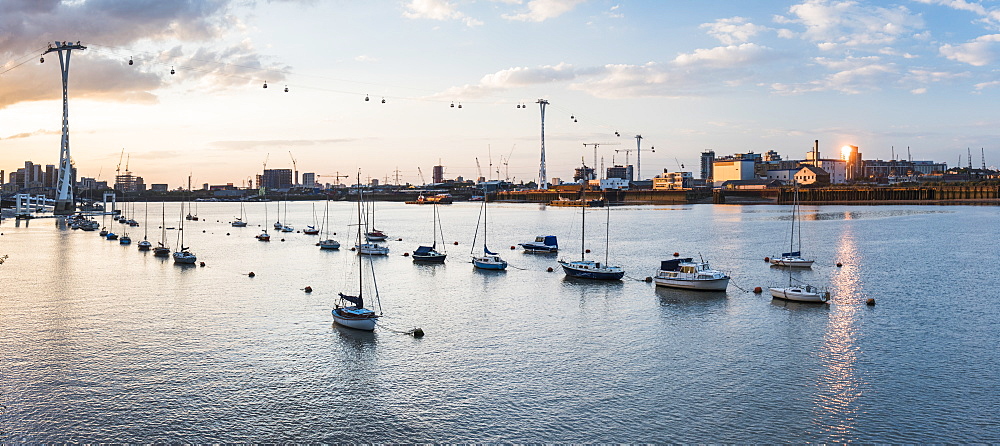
990, 16
733, 30
542, 10
918, 91
979, 52
440, 10
365, 58
990, 84
852, 75
845, 23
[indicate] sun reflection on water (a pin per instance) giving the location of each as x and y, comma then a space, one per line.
836, 406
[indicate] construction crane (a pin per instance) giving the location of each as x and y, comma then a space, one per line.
627, 152
479, 169
422, 180
679, 165
118, 169
294, 168
596, 145
336, 177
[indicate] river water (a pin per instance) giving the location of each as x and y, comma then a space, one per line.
102, 343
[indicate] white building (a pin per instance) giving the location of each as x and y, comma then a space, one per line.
673, 180
726, 170
614, 184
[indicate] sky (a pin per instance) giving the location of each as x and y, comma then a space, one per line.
912, 76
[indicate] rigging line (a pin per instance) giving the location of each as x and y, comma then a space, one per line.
126, 52
28, 57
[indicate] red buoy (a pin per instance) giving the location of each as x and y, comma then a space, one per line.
677, 254
549, 269
309, 289
767, 259
406, 254
758, 290
648, 279
201, 264
251, 274
588, 251
512, 247
456, 243
839, 265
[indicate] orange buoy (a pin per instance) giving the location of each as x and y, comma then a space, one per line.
309, 289
588, 251
251, 274
549, 269
512, 247
456, 243
677, 254
767, 259
758, 290
870, 302
406, 254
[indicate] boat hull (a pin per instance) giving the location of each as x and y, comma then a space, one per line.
800, 294
489, 263
372, 249
329, 244
693, 284
161, 252
430, 258
539, 249
239, 224
591, 270
366, 323
792, 262
185, 258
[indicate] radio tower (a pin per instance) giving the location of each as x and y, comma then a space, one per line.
65, 204
638, 157
541, 166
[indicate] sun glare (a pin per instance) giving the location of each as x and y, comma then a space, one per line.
845, 152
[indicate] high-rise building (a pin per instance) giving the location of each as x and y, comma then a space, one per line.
707, 159
438, 176
308, 179
129, 183
50, 175
584, 173
276, 179
622, 172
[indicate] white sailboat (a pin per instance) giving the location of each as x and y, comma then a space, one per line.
144, 245
240, 222
430, 254
183, 256
797, 292
285, 227
369, 245
793, 258
589, 269
488, 260
311, 229
356, 316
161, 249
327, 242
264, 236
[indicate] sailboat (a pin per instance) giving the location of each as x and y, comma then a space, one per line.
277, 223
286, 227
374, 235
793, 258
489, 259
189, 216
589, 269
356, 316
311, 229
240, 222
125, 239
327, 242
430, 254
264, 236
161, 249
144, 245
370, 245
183, 256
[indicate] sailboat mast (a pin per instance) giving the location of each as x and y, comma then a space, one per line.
360, 264
607, 230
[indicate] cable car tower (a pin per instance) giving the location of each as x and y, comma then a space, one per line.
65, 203
542, 181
